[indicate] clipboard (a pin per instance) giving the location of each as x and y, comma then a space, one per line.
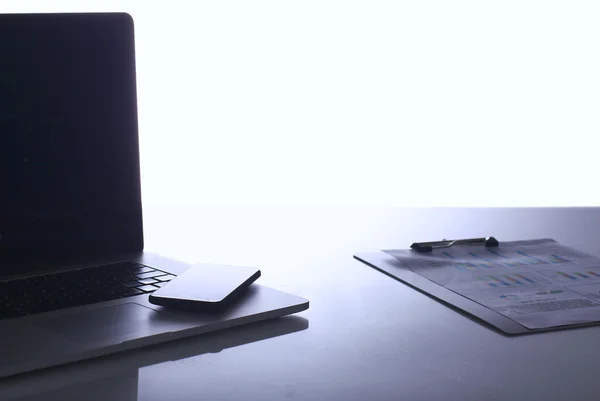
392, 267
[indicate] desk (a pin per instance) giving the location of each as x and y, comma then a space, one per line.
365, 336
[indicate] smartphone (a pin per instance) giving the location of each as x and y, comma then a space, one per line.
205, 287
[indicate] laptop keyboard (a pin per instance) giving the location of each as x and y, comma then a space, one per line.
33, 295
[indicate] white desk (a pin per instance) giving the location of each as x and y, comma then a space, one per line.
365, 336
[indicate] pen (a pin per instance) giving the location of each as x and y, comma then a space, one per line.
422, 247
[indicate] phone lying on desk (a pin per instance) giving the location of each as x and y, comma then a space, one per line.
205, 287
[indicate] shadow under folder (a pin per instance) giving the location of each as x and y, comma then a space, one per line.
115, 377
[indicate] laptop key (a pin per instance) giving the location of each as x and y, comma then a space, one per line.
147, 288
149, 274
166, 277
148, 281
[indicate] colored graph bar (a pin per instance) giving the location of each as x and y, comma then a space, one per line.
525, 278
479, 257
557, 259
594, 274
582, 275
530, 257
448, 255
496, 253
466, 267
497, 279
492, 285
514, 280
567, 275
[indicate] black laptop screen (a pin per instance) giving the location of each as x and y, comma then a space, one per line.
69, 169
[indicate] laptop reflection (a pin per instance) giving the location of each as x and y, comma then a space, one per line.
115, 377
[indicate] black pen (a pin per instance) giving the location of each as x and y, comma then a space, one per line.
423, 247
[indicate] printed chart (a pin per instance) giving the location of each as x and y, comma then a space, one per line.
488, 258
506, 281
537, 283
571, 276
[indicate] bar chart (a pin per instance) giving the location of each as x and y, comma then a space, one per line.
507, 281
565, 275
487, 258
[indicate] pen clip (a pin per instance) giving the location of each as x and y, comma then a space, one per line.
423, 247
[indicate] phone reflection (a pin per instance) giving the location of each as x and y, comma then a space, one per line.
115, 377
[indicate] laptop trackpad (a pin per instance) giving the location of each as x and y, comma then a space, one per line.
109, 324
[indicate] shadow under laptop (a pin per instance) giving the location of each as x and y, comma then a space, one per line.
115, 377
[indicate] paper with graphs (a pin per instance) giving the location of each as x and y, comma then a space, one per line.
537, 283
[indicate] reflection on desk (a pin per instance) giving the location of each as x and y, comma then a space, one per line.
115, 377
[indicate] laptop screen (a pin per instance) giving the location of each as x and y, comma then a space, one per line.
69, 168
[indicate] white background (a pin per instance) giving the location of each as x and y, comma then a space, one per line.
370, 103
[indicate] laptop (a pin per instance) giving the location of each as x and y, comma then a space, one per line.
74, 277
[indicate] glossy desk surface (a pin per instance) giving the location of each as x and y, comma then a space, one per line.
365, 336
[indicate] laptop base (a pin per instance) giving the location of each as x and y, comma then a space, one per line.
55, 338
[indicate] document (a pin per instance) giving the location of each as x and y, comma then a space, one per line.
536, 283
